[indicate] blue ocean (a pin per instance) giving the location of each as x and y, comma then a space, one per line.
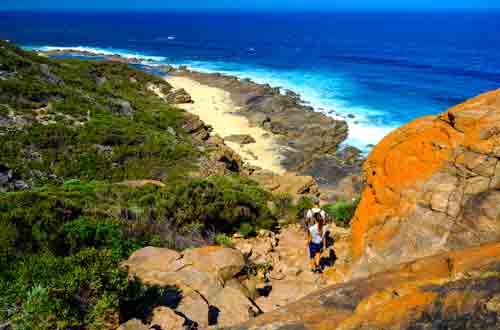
385, 68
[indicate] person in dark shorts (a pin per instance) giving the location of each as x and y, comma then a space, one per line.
316, 242
310, 214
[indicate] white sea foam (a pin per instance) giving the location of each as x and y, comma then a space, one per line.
322, 92
101, 51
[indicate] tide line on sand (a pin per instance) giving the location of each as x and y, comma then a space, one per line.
215, 107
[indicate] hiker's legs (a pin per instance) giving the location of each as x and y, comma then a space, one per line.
312, 256
317, 259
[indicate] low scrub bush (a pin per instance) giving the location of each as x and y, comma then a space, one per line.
305, 203
62, 241
223, 240
222, 204
342, 211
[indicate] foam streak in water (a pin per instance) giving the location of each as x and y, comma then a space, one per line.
100, 51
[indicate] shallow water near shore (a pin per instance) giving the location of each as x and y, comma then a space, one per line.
384, 69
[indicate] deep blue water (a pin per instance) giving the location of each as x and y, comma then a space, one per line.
386, 68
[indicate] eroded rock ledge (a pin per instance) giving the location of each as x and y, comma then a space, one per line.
311, 139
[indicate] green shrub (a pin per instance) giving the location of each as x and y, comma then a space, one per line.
223, 240
252, 269
305, 203
342, 211
221, 204
36, 310
61, 243
283, 203
246, 229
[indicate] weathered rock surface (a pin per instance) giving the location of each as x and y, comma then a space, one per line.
178, 96
286, 252
233, 307
456, 290
133, 324
166, 319
304, 133
152, 259
240, 138
222, 160
223, 263
289, 182
197, 279
432, 186
195, 308
121, 107
51, 78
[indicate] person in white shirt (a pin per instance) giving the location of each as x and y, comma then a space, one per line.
309, 215
316, 241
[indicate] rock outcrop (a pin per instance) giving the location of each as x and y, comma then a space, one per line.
289, 183
178, 96
309, 138
198, 277
222, 160
456, 290
433, 185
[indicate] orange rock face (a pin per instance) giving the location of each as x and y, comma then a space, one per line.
447, 291
433, 185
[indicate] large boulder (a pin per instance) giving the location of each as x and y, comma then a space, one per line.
433, 185
133, 324
454, 291
288, 183
121, 107
152, 259
166, 319
233, 307
178, 96
240, 138
194, 308
224, 263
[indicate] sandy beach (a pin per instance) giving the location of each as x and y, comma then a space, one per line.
215, 107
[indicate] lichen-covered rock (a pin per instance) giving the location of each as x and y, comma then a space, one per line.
456, 290
432, 185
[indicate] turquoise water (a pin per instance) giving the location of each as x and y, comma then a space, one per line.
384, 68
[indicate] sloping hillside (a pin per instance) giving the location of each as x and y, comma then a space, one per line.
93, 165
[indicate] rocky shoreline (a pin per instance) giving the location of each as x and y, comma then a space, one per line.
310, 141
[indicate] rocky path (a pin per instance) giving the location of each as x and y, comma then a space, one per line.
213, 286
286, 252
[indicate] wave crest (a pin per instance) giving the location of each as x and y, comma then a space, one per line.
100, 51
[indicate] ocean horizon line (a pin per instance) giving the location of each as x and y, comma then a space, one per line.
494, 10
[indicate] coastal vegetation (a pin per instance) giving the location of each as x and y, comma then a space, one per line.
77, 138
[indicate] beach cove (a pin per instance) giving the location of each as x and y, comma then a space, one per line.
215, 107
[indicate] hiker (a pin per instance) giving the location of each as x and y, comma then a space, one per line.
309, 215
316, 241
